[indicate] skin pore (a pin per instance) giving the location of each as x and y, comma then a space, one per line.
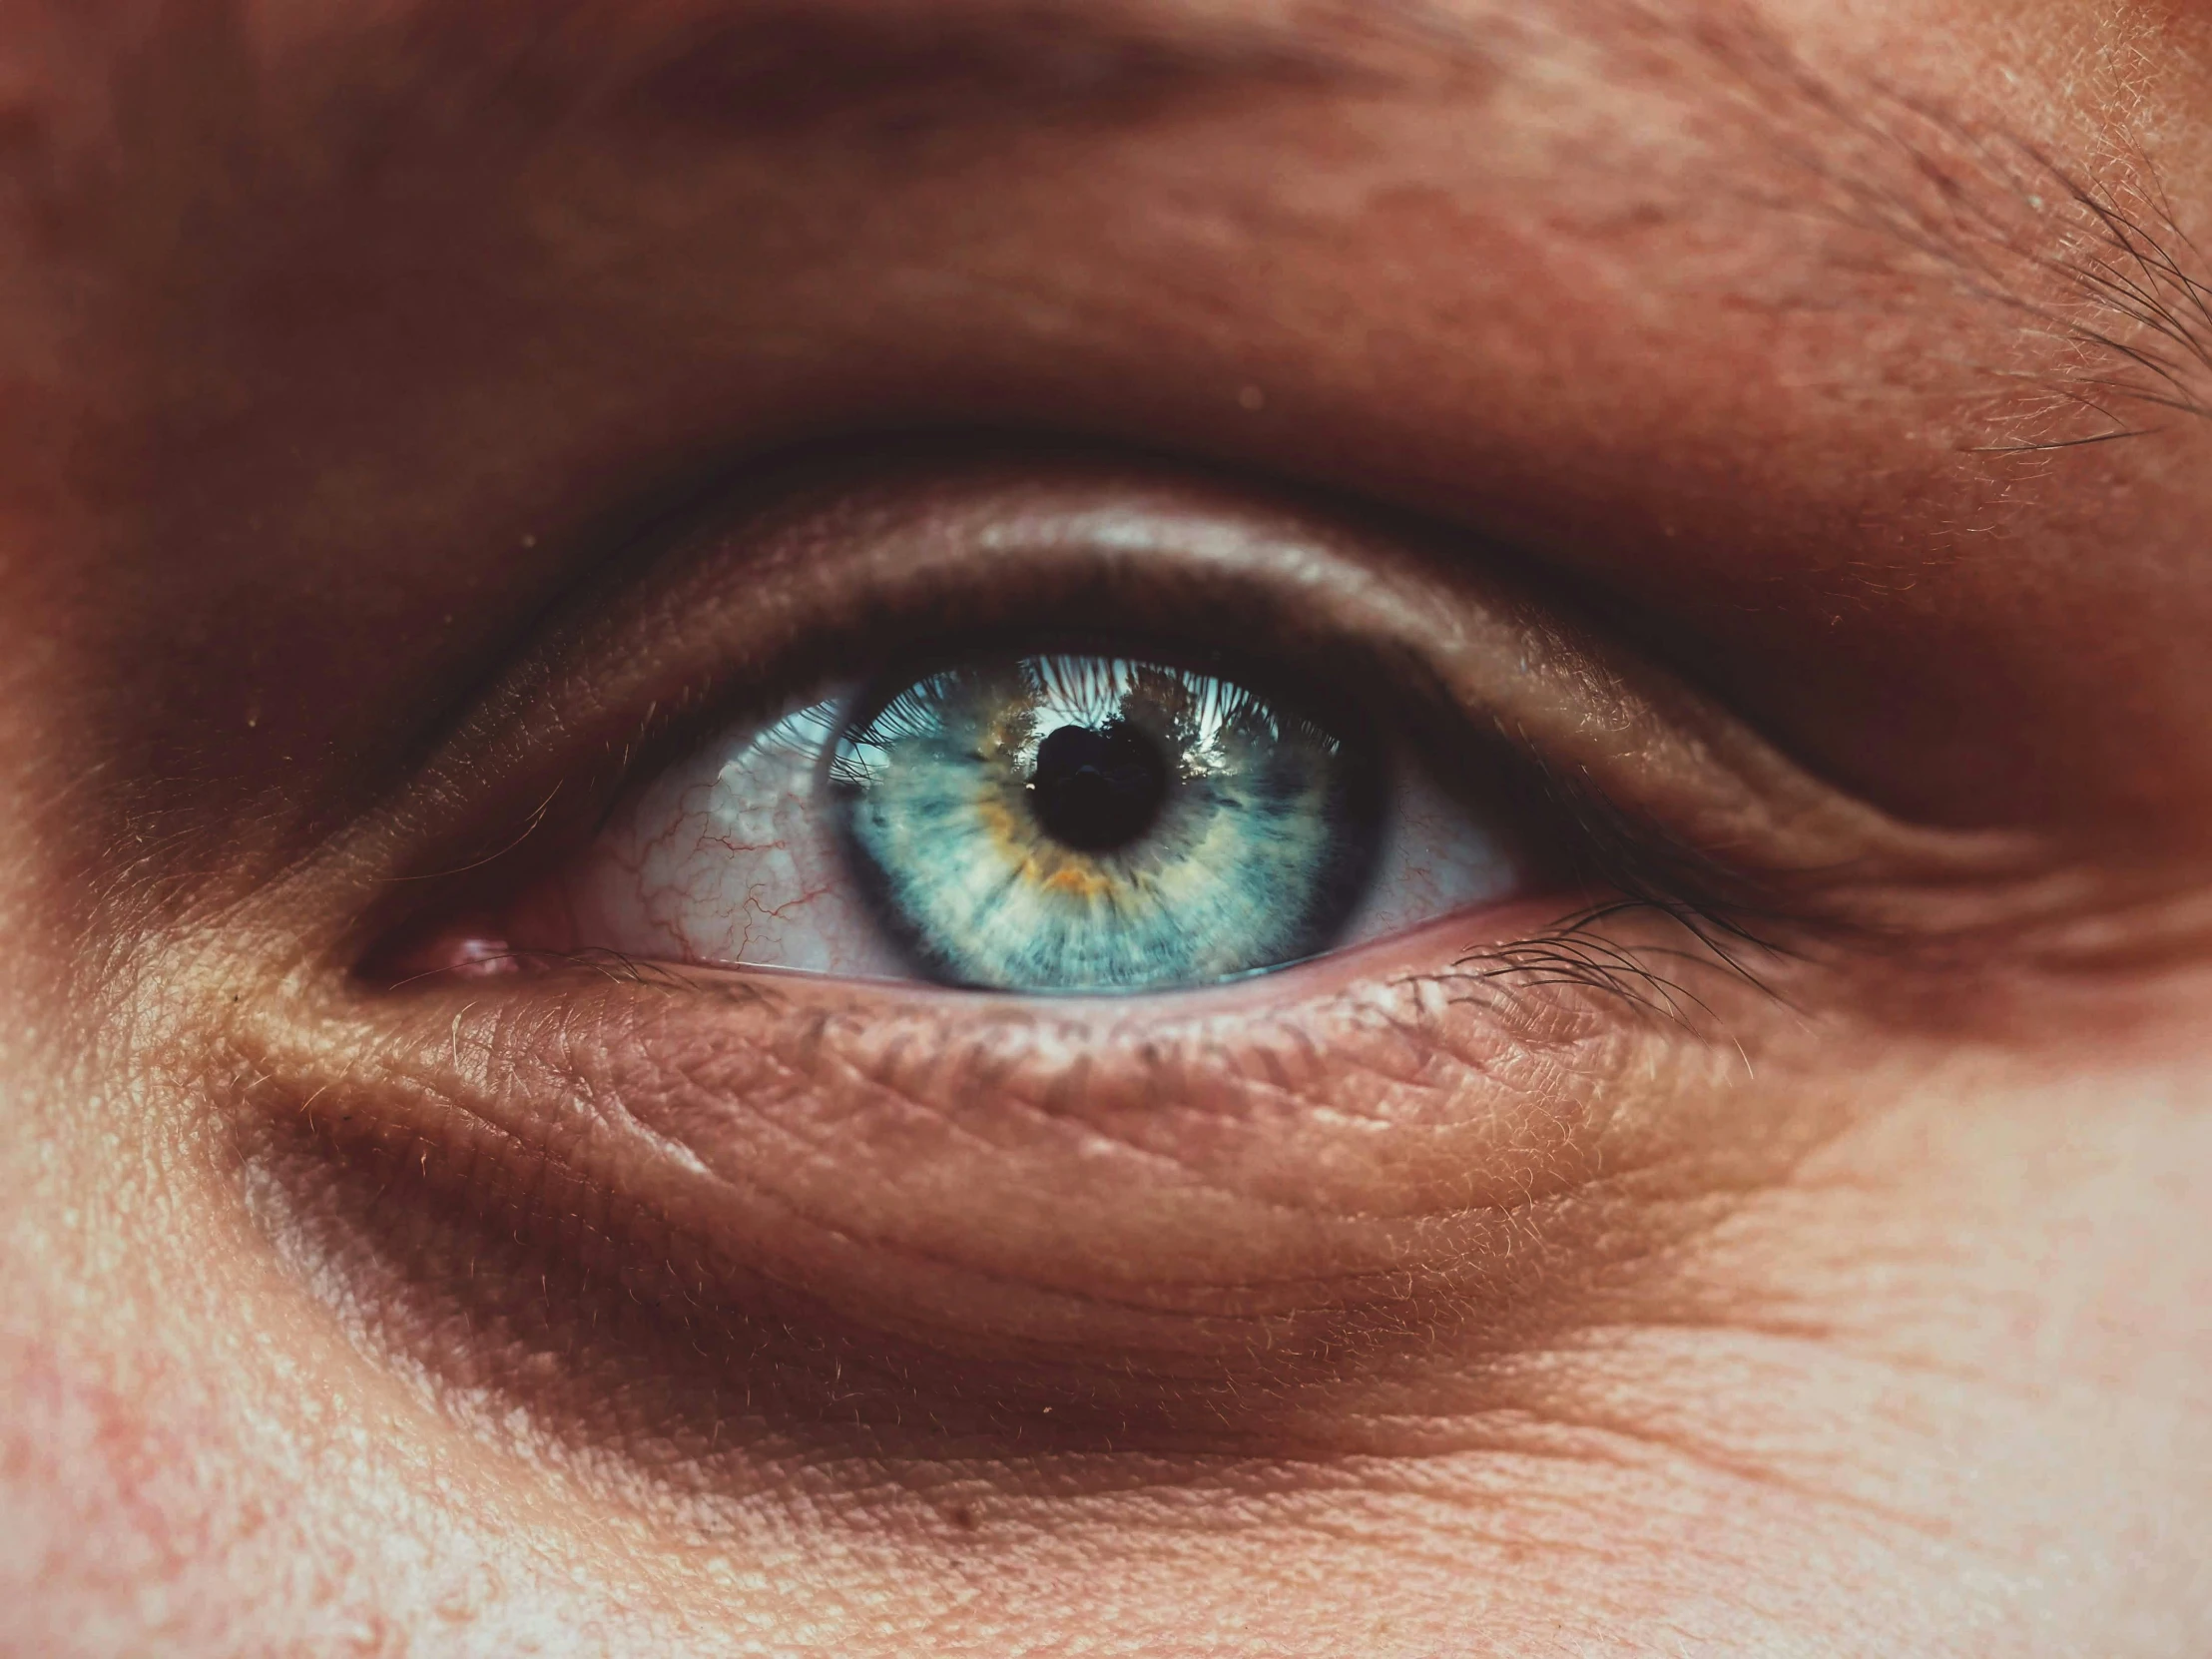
1780, 426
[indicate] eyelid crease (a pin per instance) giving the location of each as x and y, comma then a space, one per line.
1673, 805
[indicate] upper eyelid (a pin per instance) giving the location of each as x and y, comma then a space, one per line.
746, 599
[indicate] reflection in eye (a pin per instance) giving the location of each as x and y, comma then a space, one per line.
1089, 823
1046, 822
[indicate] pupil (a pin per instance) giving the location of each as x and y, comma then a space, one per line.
1097, 787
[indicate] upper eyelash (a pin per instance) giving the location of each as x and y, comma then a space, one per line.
1733, 919
1738, 922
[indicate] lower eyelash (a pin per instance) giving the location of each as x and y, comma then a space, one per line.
1647, 976
1736, 921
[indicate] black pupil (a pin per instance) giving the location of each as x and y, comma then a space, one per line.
1097, 787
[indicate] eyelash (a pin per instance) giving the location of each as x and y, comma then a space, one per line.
1727, 918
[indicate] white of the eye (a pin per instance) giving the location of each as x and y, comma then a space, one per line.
730, 858
1436, 858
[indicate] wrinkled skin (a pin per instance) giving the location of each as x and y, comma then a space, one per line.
1787, 416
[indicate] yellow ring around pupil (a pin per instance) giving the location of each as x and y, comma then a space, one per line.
1257, 848
1039, 862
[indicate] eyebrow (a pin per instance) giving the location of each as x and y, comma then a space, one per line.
2097, 269
2095, 264
732, 70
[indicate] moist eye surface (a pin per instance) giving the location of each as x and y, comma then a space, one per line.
1103, 822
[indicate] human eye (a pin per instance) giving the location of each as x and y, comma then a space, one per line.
989, 798
1040, 819
1432, 1002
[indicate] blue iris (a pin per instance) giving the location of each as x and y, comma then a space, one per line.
1093, 823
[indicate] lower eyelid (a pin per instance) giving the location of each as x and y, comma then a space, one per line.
1280, 1174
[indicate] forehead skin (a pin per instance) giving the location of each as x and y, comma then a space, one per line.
339, 338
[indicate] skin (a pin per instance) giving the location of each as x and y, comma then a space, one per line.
401, 419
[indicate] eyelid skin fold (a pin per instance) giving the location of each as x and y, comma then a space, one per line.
1172, 1225
836, 574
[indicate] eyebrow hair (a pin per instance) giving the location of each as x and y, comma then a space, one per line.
2091, 270
2093, 264
739, 69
